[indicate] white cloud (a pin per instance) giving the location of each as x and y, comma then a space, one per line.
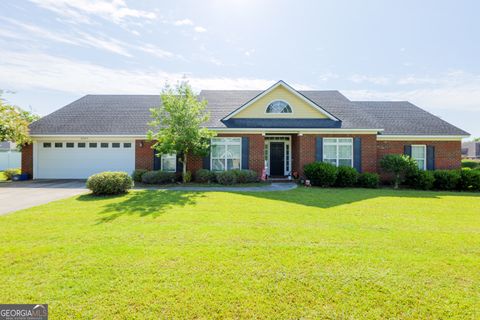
42, 71
248, 53
381, 80
155, 51
199, 29
183, 22
115, 11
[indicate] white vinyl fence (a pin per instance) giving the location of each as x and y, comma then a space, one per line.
10, 159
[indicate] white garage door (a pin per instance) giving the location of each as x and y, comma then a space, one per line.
79, 160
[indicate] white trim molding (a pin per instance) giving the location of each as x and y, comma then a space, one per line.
291, 90
419, 138
297, 130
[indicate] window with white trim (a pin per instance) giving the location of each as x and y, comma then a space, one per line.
419, 154
226, 154
169, 162
338, 151
279, 106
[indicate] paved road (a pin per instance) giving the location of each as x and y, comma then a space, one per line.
25, 194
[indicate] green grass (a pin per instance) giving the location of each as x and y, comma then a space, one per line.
305, 253
203, 185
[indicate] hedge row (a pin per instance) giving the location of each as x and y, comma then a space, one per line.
106, 183
326, 175
203, 176
465, 179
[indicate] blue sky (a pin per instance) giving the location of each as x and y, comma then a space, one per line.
55, 51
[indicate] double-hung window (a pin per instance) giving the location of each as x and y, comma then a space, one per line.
169, 162
226, 153
419, 154
338, 151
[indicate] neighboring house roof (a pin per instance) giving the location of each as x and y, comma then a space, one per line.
129, 115
7, 145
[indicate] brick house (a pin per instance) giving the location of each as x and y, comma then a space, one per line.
278, 130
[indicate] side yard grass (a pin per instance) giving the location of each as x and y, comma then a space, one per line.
305, 253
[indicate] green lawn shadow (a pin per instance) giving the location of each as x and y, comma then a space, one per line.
332, 197
144, 203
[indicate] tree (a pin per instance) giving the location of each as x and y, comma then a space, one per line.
14, 123
177, 125
399, 166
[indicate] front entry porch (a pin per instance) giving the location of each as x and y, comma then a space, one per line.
278, 157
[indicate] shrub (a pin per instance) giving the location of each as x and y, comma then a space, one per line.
204, 176
469, 180
368, 180
346, 177
9, 173
245, 176
226, 177
187, 177
472, 164
399, 166
137, 174
446, 179
105, 183
420, 179
321, 173
158, 177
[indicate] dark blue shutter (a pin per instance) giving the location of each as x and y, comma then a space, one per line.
245, 150
357, 153
156, 160
319, 149
179, 163
407, 150
430, 157
206, 160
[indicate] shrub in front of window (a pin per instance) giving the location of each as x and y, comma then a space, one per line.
368, 180
472, 164
137, 174
320, 173
158, 177
204, 176
446, 179
9, 173
245, 176
187, 177
398, 165
107, 183
469, 180
420, 179
226, 177
346, 177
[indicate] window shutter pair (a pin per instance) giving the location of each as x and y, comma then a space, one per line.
357, 152
407, 150
245, 155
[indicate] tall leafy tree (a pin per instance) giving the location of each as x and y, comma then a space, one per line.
177, 124
14, 123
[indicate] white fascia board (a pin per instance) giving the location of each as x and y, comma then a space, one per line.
296, 130
84, 137
291, 90
420, 137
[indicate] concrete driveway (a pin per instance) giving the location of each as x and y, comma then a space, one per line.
25, 194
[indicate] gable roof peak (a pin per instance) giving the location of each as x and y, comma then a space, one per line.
291, 90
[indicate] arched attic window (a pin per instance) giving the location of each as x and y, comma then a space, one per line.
279, 106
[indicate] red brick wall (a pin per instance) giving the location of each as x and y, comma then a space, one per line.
447, 153
307, 150
143, 155
27, 159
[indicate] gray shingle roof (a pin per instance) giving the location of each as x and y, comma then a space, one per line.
403, 117
129, 114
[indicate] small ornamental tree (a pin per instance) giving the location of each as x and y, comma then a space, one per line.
399, 166
14, 123
177, 124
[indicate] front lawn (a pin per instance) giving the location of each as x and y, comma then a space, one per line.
305, 253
